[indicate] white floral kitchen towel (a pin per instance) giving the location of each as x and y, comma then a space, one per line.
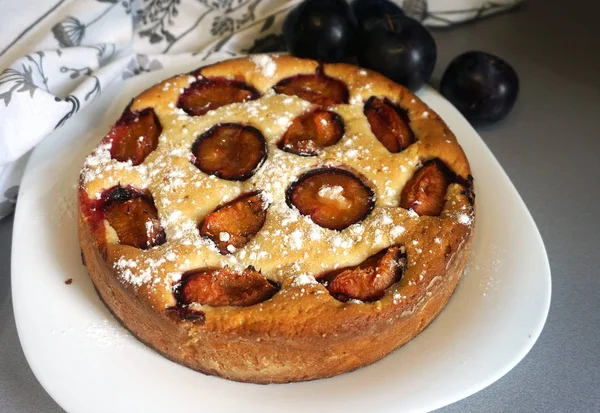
56, 58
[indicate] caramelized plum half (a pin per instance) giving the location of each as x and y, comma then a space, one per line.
311, 132
134, 136
318, 89
333, 198
425, 192
235, 223
230, 151
224, 287
368, 280
208, 94
389, 124
134, 218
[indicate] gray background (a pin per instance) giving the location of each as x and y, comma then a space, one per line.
550, 148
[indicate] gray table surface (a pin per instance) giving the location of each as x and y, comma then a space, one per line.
549, 146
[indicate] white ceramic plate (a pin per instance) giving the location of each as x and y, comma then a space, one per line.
88, 363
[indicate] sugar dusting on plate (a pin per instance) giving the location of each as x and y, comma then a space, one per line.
106, 333
488, 269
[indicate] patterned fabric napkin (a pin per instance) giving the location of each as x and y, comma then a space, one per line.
58, 60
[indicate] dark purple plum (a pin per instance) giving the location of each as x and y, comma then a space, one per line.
321, 29
400, 48
368, 12
482, 86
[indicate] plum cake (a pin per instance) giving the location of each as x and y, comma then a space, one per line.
272, 219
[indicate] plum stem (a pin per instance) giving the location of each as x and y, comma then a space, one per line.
389, 21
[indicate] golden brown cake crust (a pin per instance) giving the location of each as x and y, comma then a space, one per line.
302, 332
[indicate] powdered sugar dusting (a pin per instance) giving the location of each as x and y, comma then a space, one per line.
398, 298
333, 192
413, 214
304, 279
107, 333
315, 233
93, 163
99, 165
396, 231
487, 268
265, 64
100, 156
296, 239
463, 219
126, 271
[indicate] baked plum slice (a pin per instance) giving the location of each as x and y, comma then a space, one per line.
134, 136
208, 94
333, 198
389, 123
425, 192
235, 223
312, 132
134, 217
318, 89
368, 280
230, 151
224, 287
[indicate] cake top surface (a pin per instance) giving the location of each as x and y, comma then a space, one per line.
194, 159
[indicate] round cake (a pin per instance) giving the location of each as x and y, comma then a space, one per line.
272, 219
